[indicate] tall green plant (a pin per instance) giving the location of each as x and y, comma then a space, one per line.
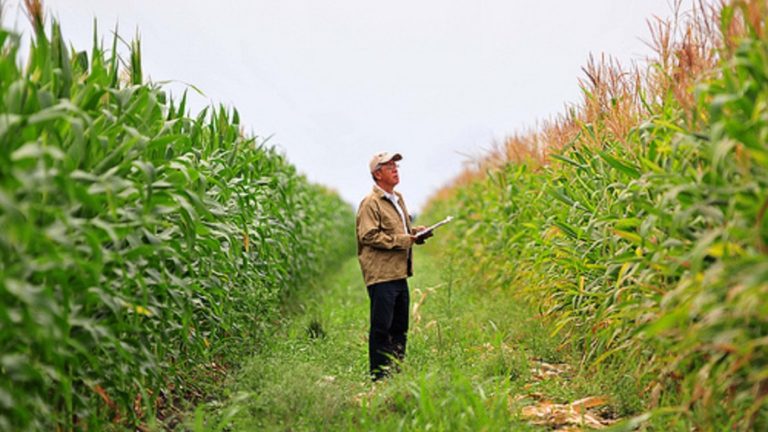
140, 246
650, 250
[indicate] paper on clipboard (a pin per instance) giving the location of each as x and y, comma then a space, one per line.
430, 228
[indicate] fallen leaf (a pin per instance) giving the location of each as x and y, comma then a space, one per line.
543, 370
567, 415
104, 396
590, 402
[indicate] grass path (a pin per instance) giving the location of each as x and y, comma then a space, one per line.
474, 359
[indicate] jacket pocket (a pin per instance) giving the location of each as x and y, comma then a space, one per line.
391, 222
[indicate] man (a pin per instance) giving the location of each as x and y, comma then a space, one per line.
384, 241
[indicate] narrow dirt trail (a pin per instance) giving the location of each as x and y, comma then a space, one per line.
476, 360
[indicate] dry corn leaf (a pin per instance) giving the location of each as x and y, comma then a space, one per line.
416, 313
567, 415
590, 402
536, 396
543, 370
569, 429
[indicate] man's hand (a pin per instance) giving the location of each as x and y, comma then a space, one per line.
420, 240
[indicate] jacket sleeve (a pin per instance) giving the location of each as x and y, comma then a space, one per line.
370, 233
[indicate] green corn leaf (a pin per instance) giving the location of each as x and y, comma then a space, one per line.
620, 166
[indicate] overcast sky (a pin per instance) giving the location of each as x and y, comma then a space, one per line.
335, 81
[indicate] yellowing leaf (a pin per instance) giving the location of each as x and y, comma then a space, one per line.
552, 232
622, 273
634, 238
718, 250
141, 310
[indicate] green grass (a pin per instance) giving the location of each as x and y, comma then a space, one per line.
298, 380
470, 352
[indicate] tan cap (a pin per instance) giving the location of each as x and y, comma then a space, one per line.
381, 158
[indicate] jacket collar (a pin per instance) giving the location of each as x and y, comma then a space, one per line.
381, 193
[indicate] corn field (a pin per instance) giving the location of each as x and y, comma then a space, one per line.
647, 248
142, 249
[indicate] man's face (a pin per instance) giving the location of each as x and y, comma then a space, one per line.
388, 174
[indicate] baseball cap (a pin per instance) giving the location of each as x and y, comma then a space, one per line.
381, 158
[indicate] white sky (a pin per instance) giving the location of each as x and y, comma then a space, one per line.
336, 81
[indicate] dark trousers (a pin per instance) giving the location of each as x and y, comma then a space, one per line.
389, 324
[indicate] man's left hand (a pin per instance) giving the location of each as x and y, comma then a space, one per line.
425, 236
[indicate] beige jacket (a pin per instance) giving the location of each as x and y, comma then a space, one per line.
383, 248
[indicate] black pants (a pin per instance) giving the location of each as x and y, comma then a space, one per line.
389, 324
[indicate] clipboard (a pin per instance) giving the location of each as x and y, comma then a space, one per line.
429, 229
